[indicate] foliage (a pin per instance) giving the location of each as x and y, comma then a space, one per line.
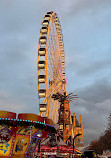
104, 141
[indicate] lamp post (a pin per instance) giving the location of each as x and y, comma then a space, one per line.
74, 140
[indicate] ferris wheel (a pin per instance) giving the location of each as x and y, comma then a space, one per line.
51, 66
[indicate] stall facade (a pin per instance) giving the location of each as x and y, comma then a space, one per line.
19, 134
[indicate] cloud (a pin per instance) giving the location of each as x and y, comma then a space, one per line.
73, 7
16, 104
94, 68
106, 104
99, 91
94, 103
6, 103
86, 28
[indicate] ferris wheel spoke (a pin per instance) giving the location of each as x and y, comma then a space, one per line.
50, 91
51, 62
58, 71
54, 91
54, 69
42, 71
50, 75
54, 109
51, 57
50, 67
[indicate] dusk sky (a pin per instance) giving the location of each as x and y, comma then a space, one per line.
86, 27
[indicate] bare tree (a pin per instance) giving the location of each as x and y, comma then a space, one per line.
104, 141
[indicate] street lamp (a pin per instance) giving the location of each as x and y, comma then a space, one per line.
39, 134
74, 140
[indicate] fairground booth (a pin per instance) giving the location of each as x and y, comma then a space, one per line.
30, 135
21, 134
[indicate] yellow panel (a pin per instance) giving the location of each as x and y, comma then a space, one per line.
46, 18
42, 53
42, 109
41, 80
21, 144
42, 66
42, 41
27, 130
41, 95
5, 148
45, 23
44, 31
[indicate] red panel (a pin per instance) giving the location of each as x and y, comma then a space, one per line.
66, 104
7, 114
29, 116
48, 121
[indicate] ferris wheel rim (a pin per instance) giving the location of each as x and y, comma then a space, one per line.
51, 16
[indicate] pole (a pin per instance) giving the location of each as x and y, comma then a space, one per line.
73, 146
74, 142
39, 146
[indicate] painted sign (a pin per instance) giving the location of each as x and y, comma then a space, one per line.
5, 135
5, 148
21, 144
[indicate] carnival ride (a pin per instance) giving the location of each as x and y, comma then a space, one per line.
19, 135
52, 76
51, 65
22, 135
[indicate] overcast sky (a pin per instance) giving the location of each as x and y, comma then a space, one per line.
86, 27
